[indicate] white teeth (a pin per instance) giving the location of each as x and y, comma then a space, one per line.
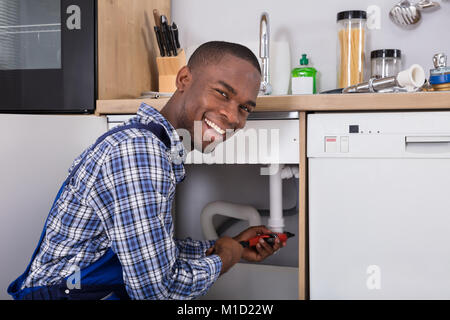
214, 126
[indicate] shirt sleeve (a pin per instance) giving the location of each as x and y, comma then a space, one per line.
193, 249
134, 186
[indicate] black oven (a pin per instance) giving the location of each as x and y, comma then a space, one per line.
47, 56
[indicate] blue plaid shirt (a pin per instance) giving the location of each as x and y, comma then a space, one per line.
121, 198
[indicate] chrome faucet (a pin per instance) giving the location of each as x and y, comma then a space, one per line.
264, 43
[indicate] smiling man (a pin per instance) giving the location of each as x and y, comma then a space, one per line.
109, 234
218, 87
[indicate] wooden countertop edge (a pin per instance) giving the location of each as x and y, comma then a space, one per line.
318, 102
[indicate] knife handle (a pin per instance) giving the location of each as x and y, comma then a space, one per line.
157, 18
159, 41
166, 35
175, 34
172, 40
165, 42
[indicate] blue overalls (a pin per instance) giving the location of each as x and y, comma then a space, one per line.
101, 280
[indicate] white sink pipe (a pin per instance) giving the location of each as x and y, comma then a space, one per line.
227, 209
278, 172
245, 212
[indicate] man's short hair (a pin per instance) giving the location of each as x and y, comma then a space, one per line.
212, 53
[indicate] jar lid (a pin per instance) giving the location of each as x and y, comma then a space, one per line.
386, 53
352, 14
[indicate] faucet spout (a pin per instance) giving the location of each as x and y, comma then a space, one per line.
264, 44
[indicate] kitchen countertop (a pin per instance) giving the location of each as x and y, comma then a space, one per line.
317, 102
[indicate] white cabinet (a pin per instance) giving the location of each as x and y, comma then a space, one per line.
259, 142
35, 153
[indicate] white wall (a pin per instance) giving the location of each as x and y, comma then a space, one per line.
310, 27
35, 153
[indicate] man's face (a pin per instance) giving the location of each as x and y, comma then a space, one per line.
219, 96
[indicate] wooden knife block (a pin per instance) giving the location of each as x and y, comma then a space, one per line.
168, 68
127, 47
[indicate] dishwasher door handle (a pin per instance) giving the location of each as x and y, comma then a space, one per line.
427, 139
427, 144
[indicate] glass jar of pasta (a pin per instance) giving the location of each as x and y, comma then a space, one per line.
351, 44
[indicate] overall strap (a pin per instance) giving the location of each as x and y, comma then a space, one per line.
158, 130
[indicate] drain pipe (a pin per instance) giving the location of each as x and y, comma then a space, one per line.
227, 209
276, 221
278, 172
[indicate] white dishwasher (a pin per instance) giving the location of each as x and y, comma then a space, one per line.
379, 205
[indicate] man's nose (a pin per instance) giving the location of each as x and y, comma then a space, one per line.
231, 115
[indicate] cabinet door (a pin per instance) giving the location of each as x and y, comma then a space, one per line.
36, 152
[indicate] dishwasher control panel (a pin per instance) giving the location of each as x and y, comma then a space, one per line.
334, 144
379, 135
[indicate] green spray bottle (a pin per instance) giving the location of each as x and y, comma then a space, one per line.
303, 78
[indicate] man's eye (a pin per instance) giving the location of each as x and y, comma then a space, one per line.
222, 93
245, 108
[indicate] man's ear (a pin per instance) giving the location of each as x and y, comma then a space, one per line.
184, 78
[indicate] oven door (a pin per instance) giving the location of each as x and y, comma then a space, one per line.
47, 56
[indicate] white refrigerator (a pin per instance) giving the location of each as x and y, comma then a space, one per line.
379, 205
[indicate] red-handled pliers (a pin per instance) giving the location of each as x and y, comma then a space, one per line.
269, 238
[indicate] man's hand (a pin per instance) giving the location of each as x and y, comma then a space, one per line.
262, 249
229, 251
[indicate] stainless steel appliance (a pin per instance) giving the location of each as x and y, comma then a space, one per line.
47, 56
